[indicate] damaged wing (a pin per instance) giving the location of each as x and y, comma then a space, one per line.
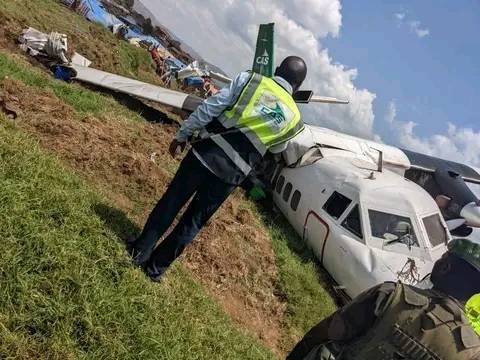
135, 88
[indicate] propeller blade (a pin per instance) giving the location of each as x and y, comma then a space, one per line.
327, 99
455, 223
462, 231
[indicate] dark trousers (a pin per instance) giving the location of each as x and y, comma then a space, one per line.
210, 192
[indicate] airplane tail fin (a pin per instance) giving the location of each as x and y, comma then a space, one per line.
263, 62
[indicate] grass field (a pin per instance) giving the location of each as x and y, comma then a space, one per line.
67, 288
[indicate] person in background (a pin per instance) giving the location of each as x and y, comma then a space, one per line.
238, 126
398, 321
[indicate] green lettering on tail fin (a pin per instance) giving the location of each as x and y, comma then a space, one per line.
263, 61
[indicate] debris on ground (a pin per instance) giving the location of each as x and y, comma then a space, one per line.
81, 60
36, 43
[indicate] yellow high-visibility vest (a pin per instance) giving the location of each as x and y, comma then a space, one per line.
264, 115
472, 309
266, 110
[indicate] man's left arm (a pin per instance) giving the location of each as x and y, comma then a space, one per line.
211, 107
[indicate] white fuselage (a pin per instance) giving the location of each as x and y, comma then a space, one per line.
332, 205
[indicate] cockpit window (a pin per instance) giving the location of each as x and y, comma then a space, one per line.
437, 234
352, 222
392, 228
336, 205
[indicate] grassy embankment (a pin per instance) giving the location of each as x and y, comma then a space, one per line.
67, 288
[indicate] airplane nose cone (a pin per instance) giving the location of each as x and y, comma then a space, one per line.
471, 214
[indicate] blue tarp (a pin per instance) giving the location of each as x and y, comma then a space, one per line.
133, 34
95, 12
194, 81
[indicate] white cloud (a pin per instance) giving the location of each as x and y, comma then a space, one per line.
415, 26
460, 144
391, 115
224, 33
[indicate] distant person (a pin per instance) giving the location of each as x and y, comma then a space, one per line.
209, 87
397, 321
238, 126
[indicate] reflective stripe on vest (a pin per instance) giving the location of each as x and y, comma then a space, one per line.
472, 309
232, 154
266, 115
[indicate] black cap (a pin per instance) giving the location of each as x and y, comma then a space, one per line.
294, 70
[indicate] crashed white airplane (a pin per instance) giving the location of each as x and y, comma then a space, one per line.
369, 211
366, 223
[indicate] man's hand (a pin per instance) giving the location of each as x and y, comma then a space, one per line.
174, 145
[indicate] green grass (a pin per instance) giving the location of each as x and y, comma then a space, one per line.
132, 59
67, 288
302, 282
81, 99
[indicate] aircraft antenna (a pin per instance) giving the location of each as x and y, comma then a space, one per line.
380, 161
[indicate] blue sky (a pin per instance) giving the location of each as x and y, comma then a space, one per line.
433, 79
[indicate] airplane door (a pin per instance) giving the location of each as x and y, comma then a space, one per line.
315, 233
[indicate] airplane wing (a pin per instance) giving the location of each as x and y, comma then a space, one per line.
135, 88
328, 100
431, 164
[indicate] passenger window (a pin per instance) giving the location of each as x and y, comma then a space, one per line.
336, 205
295, 200
287, 191
280, 182
352, 222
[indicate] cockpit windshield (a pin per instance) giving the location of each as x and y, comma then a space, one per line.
437, 233
392, 228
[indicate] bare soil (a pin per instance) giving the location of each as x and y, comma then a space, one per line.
128, 161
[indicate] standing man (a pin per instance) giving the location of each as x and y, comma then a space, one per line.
238, 126
397, 321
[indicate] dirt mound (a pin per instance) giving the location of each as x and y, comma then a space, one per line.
232, 256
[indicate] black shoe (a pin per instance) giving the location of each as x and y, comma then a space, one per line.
139, 257
154, 273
